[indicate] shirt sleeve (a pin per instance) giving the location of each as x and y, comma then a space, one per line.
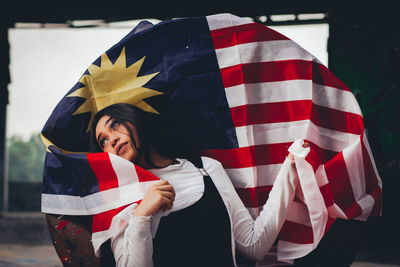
254, 238
134, 246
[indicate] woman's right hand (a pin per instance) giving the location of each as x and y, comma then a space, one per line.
161, 195
291, 157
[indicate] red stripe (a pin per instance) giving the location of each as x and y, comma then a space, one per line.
266, 72
329, 223
313, 157
254, 197
371, 180
102, 168
249, 156
280, 71
297, 110
297, 199
337, 120
145, 176
271, 112
246, 33
327, 195
342, 192
322, 75
377, 195
296, 233
318, 155
102, 221
353, 211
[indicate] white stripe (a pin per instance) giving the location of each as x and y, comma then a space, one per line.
334, 98
292, 90
63, 204
224, 20
265, 51
286, 132
366, 144
270, 133
367, 204
250, 177
242, 177
98, 239
335, 211
311, 192
124, 169
258, 93
291, 251
320, 176
329, 139
353, 159
118, 224
298, 213
94, 203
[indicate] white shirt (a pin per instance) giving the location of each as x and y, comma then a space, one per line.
133, 246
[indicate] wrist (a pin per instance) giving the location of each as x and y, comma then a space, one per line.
138, 213
141, 213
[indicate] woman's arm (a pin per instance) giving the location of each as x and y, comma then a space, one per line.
134, 246
252, 237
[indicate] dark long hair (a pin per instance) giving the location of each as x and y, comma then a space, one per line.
150, 130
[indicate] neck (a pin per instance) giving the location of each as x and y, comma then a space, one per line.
158, 161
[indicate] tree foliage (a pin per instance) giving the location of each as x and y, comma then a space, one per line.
26, 158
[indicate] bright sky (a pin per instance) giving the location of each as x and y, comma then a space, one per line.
46, 62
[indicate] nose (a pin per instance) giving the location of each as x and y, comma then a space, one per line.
114, 140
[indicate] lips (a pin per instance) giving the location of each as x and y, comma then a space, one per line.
121, 148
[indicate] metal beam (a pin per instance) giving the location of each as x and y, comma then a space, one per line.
50, 11
4, 81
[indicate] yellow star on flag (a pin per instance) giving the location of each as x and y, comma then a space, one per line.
114, 83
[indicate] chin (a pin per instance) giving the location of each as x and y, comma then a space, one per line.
130, 157
126, 157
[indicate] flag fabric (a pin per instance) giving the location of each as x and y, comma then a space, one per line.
230, 89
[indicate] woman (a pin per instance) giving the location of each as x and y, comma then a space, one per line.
193, 216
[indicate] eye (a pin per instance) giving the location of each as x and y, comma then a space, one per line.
114, 124
103, 142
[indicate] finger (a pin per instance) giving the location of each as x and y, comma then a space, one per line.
166, 207
166, 203
168, 188
168, 195
170, 205
306, 144
160, 183
291, 157
156, 186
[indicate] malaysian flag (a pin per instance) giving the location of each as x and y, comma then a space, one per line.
230, 89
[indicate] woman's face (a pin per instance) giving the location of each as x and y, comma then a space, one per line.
115, 138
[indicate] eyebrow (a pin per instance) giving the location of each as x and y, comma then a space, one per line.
98, 137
